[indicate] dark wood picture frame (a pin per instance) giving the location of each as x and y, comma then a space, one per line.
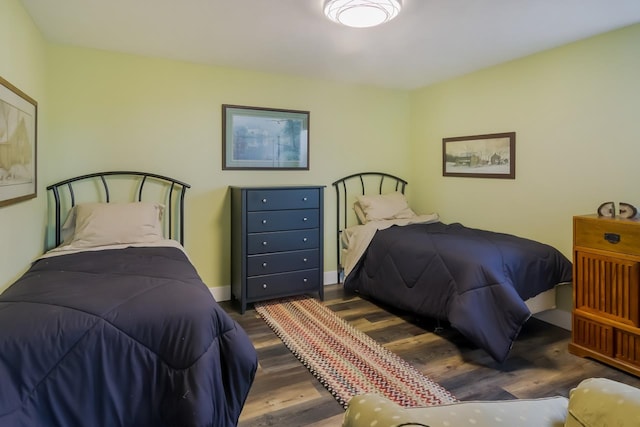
480, 156
264, 138
18, 145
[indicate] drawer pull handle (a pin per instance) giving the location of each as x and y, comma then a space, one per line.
264, 243
305, 280
304, 260
264, 265
264, 200
264, 286
305, 219
304, 199
264, 221
304, 239
612, 238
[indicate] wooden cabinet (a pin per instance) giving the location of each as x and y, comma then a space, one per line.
276, 242
606, 291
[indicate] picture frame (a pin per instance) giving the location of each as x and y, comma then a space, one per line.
18, 145
480, 156
261, 138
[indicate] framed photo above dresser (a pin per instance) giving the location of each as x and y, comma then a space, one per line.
264, 138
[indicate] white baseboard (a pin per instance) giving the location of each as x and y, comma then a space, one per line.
223, 293
556, 317
330, 278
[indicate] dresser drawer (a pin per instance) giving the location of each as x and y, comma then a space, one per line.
273, 285
269, 200
607, 286
282, 220
609, 234
627, 347
282, 261
593, 335
280, 241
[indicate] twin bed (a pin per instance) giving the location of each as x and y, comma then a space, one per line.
114, 327
477, 280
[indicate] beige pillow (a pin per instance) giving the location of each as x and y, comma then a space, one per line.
99, 224
384, 206
68, 228
362, 218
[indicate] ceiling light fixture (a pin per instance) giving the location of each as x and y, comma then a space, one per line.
362, 13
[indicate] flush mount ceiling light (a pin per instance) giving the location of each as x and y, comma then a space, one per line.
362, 13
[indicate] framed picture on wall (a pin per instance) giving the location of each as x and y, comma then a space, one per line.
480, 156
18, 142
264, 138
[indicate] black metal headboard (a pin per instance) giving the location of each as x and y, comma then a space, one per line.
169, 190
362, 183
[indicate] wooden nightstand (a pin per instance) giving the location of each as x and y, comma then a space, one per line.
276, 242
606, 294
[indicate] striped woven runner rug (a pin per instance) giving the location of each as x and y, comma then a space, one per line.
345, 360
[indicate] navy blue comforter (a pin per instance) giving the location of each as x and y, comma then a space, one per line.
475, 279
126, 337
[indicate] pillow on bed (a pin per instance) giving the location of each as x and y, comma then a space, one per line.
362, 217
384, 206
100, 224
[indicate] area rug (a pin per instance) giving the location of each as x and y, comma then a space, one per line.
345, 360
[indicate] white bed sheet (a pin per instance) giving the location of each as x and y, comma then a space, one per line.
70, 249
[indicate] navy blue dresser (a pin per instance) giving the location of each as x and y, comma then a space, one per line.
276, 242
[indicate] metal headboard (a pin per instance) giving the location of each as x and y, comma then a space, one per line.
173, 196
362, 183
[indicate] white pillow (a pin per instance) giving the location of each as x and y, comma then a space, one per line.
100, 224
384, 206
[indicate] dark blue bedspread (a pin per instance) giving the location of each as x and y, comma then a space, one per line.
475, 279
126, 337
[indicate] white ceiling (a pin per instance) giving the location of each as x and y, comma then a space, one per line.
430, 41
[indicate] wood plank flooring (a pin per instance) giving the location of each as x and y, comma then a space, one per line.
286, 394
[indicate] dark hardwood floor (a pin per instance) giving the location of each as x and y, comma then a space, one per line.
286, 394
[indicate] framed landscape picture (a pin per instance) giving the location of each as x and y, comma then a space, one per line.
264, 138
18, 124
480, 156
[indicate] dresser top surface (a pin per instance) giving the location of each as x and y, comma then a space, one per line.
274, 187
616, 219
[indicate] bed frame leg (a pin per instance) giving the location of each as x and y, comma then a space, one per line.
438, 327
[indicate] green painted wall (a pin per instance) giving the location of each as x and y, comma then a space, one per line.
22, 57
575, 112
116, 111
